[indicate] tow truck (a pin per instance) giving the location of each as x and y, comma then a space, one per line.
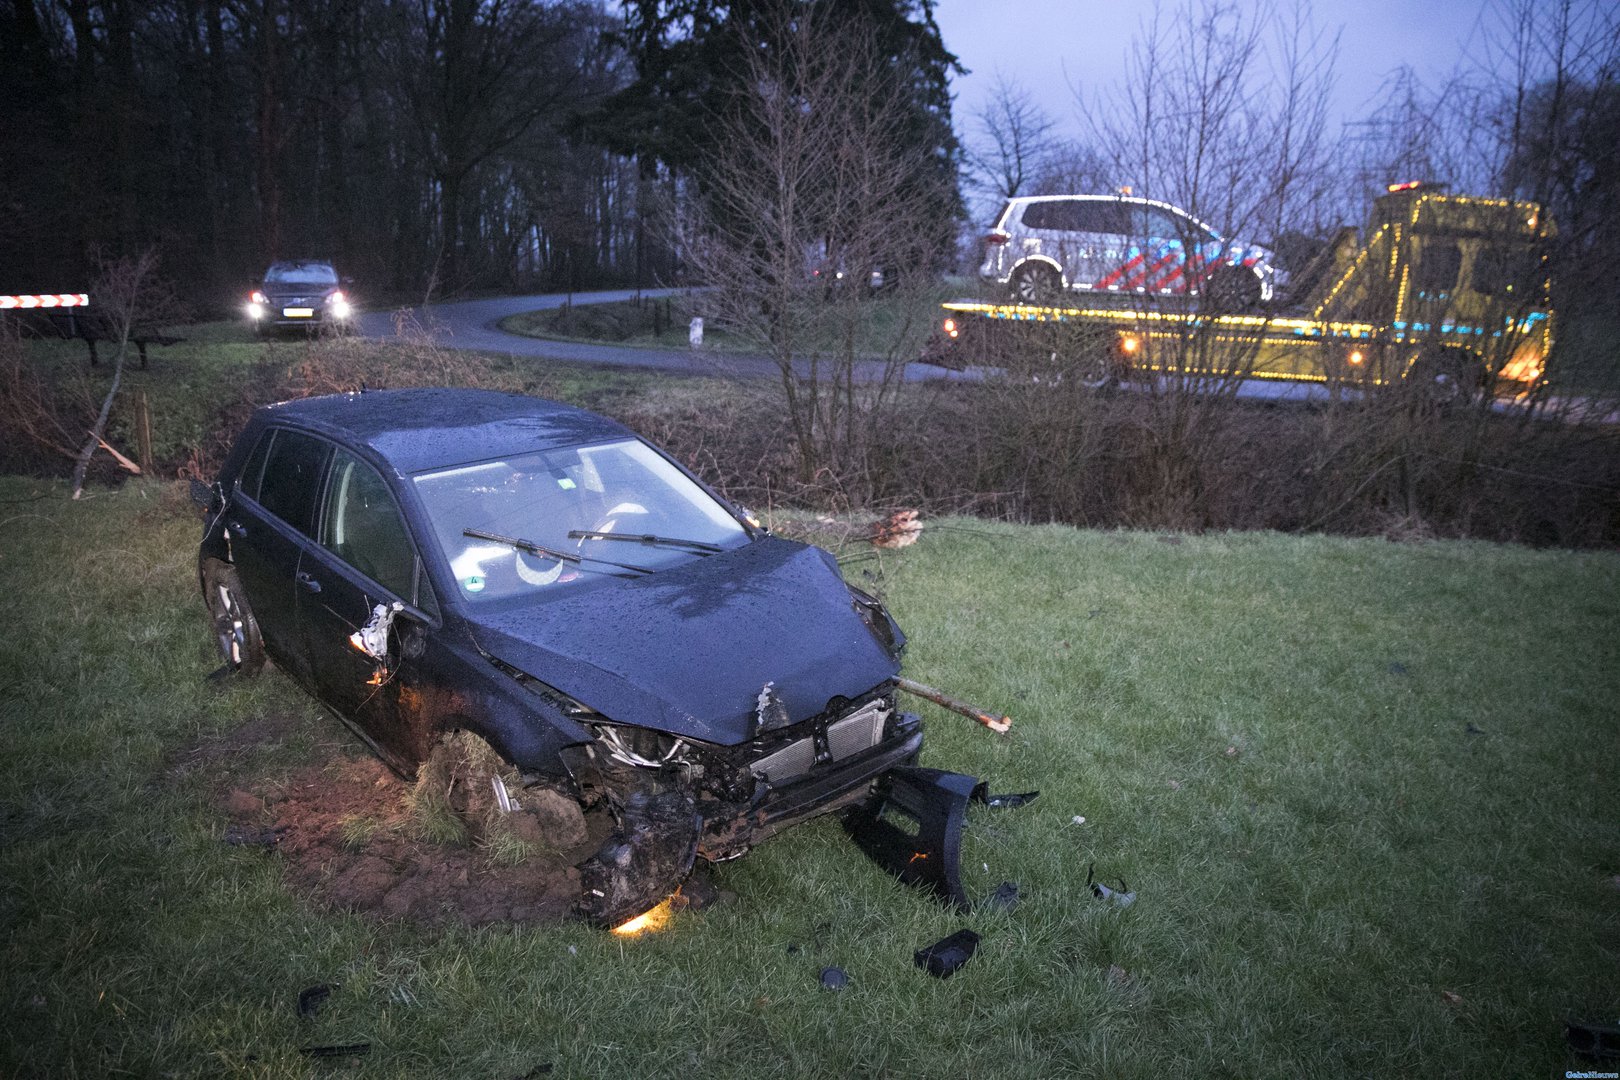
1446, 293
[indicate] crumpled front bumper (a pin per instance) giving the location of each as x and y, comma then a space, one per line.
806, 797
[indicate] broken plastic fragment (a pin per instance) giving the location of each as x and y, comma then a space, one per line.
942, 958
1593, 1040
311, 998
833, 978
248, 836
1122, 896
1005, 898
981, 794
372, 638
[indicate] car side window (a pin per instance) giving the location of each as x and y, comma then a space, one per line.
1100, 216
363, 527
292, 478
248, 481
1159, 224
1037, 215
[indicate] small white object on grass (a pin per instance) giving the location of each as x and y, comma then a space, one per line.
1079, 819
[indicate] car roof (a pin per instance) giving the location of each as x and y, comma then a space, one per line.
1136, 200
429, 428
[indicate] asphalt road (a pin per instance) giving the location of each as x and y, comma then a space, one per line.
473, 324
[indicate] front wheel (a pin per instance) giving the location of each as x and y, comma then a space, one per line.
1234, 289
1446, 379
236, 631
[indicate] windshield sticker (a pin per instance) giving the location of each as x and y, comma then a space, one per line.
473, 584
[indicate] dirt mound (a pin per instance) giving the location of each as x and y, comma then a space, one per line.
345, 836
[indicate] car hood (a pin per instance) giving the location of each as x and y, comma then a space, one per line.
309, 289
689, 650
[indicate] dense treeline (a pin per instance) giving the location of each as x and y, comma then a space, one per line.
437, 144
418, 143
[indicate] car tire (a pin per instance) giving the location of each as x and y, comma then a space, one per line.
1233, 289
1445, 379
236, 631
1035, 283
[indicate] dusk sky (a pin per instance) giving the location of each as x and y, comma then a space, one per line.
1053, 47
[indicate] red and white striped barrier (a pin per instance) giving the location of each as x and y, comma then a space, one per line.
45, 300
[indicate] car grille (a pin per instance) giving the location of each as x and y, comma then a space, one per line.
845, 737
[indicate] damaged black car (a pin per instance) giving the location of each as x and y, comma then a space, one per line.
444, 563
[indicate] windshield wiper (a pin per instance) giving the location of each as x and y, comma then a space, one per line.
549, 553
646, 538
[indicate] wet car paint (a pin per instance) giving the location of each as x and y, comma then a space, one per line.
688, 650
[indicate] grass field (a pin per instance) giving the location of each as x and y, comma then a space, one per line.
1364, 793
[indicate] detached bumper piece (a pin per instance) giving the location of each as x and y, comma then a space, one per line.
927, 849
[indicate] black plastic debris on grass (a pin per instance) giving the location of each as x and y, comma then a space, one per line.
1122, 896
1004, 899
1003, 802
311, 998
833, 978
1473, 729
944, 957
1593, 1040
254, 836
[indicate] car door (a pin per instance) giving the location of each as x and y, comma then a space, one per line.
269, 521
1166, 240
1106, 244
365, 559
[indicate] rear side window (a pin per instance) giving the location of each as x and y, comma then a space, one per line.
1039, 215
292, 478
1068, 215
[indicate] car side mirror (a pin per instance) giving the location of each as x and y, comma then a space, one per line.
202, 495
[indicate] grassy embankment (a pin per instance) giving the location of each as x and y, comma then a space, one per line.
1364, 792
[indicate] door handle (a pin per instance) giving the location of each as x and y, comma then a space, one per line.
308, 583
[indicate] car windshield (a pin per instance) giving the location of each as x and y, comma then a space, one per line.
534, 501
301, 274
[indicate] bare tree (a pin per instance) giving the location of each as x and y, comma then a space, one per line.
1014, 140
811, 206
1223, 115
127, 291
